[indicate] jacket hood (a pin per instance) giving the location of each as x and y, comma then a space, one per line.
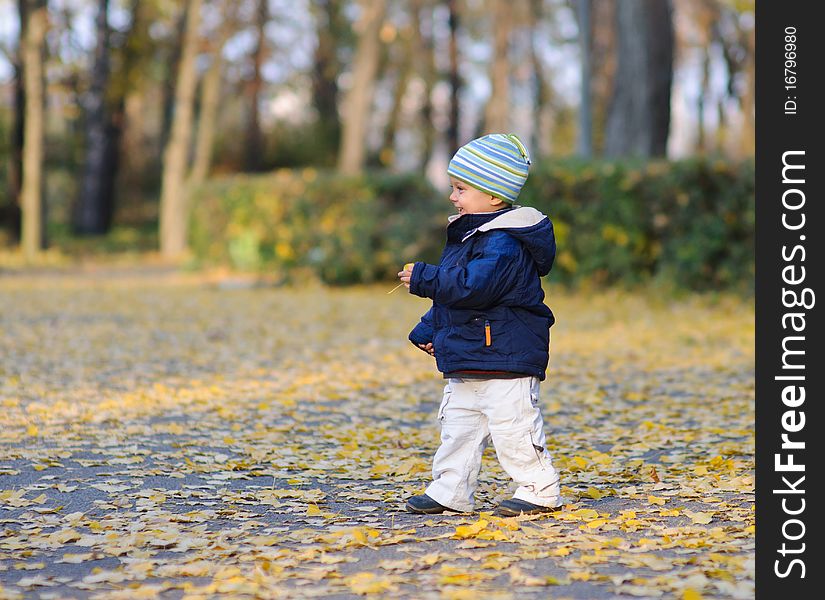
530, 227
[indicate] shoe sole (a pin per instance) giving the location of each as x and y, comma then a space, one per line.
506, 512
425, 511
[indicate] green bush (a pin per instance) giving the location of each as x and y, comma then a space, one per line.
688, 223
309, 223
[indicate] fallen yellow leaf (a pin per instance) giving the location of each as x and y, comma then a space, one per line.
466, 531
699, 518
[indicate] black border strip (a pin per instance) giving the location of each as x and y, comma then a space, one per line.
789, 134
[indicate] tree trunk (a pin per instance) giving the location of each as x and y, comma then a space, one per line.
541, 95
130, 153
701, 140
171, 70
205, 131
92, 214
11, 212
639, 117
326, 68
359, 96
585, 139
210, 100
603, 50
497, 113
423, 36
254, 147
455, 79
748, 103
404, 72
174, 205
32, 190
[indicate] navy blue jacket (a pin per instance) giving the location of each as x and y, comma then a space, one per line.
488, 308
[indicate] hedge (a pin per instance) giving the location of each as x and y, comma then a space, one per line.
306, 223
688, 223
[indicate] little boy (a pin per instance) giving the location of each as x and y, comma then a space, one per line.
489, 331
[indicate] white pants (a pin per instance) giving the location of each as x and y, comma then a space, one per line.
505, 411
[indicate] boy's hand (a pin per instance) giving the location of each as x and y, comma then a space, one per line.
406, 275
428, 348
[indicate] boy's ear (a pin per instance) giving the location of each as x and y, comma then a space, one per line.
494, 201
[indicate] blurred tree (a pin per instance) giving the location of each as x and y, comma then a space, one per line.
405, 53
173, 195
639, 116
736, 39
359, 96
585, 138
424, 46
332, 32
210, 94
454, 78
254, 146
170, 63
603, 66
497, 112
541, 90
94, 205
34, 24
10, 213
128, 151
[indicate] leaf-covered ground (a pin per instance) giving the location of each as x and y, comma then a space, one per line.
170, 437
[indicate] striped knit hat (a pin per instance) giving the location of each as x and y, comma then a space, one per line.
496, 164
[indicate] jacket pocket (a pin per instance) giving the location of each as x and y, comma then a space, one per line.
481, 327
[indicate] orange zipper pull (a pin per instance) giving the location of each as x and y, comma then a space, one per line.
488, 335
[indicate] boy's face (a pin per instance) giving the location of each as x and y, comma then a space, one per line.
469, 200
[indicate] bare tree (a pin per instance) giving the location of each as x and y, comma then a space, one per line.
454, 78
359, 96
171, 66
422, 18
497, 113
93, 207
639, 117
331, 31
10, 212
737, 43
210, 97
174, 206
34, 24
603, 50
404, 71
254, 147
585, 140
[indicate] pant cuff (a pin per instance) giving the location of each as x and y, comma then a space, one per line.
445, 498
548, 501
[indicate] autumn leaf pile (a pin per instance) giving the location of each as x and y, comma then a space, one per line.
167, 437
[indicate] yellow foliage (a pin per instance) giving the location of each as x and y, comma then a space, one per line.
467, 531
270, 404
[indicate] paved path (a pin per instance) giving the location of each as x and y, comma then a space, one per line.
168, 437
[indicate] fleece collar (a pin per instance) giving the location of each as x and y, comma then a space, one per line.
518, 217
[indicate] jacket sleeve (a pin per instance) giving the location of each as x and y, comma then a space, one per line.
480, 284
423, 332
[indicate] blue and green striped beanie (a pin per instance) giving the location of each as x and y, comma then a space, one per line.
496, 164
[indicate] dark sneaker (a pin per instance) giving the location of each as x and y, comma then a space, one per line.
515, 507
424, 505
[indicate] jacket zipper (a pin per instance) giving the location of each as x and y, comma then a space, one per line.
488, 335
